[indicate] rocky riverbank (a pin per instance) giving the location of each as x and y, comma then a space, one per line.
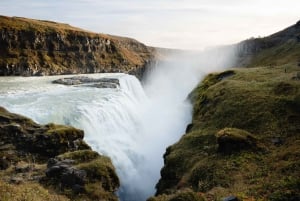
50, 162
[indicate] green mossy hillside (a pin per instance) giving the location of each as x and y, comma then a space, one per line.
244, 139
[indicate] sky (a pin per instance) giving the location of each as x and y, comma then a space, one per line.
183, 24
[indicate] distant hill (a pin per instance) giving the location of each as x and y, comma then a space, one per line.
277, 49
37, 47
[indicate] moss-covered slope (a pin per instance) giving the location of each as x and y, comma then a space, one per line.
244, 139
36, 47
50, 162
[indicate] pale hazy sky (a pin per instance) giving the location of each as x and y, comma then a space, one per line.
185, 24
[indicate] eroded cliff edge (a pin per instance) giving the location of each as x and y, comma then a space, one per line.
244, 139
35, 47
51, 162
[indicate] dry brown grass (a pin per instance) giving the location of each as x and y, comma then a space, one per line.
27, 192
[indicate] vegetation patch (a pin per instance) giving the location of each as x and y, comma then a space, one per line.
28, 192
182, 195
50, 162
231, 139
244, 138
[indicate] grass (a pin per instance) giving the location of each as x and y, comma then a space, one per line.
182, 195
80, 156
251, 107
101, 170
20, 23
279, 55
27, 192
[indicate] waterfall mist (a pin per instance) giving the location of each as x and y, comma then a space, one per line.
166, 113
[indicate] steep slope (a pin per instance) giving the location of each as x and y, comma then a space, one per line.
50, 162
244, 139
277, 49
35, 47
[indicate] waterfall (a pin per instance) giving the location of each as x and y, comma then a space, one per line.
131, 127
132, 124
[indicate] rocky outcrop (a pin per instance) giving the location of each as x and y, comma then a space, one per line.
20, 133
66, 175
33, 47
277, 49
52, 157
90, 82
232, 140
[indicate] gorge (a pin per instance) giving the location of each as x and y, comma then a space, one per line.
128, 124
142, 124
132, 124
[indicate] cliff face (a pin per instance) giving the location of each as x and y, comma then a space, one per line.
50, 162
34, 47
277, 49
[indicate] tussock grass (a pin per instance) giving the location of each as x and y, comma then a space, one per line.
27, 192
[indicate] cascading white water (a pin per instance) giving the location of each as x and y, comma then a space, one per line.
132, 128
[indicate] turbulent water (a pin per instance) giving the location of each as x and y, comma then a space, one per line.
130, 124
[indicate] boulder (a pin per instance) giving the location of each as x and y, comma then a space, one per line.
189, 127
104, 85
22, 167
72, 176
65, 174
78, 189
277, 141
230, 198
4, 164
16, 180
49, 140
232, 140
90, 82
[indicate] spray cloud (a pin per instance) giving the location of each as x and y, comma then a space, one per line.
167, 111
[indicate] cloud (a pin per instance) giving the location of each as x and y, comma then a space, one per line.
168, 23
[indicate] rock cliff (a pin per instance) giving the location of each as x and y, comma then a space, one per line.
35, 47
277, 49
50, 162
